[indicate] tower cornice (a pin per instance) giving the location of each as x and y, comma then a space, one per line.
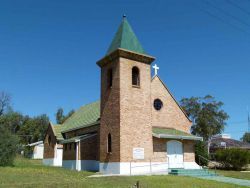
125, 54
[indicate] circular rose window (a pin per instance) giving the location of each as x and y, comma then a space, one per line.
158, 104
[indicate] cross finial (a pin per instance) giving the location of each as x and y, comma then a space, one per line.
156, 69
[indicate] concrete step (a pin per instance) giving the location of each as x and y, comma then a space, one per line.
193, 172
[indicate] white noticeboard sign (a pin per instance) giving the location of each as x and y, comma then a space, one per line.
138, 153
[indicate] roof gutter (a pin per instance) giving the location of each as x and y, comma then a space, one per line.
77, 139
178, 137
83, 126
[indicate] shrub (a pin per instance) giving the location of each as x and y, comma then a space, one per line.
233, 158
201, 150
8, 146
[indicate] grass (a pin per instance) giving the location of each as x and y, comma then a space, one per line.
31, 173
235, 174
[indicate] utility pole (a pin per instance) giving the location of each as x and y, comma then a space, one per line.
248, 120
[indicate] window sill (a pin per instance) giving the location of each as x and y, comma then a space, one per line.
135, 86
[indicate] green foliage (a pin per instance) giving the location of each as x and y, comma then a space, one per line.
8, 146
13, 120
207, 116
4, 102
34, 129
201, 152
233, 158
60, 117
246, 137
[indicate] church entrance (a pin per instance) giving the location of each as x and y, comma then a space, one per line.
175, 154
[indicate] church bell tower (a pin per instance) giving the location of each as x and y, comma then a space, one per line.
125, 125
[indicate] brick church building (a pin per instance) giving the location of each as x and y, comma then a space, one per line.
137, 127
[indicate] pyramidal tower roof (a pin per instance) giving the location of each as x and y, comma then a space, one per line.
125, 38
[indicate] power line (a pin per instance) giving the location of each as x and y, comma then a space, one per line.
221, 20
237, 6
237, 122
228, 14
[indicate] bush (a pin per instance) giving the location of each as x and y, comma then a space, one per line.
233, 158
8, 146
201, 150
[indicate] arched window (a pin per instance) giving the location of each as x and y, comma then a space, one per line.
135, 76
49, 140
110, 78
109, 147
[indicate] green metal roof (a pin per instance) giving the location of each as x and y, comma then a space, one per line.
125, 38
85, 116
57, 130
173, 134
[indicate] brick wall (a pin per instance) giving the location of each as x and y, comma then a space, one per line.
81, 131
89, 149
69, 151
170, 115
49, 149
135, 110
189, 155
110, 113
160, 149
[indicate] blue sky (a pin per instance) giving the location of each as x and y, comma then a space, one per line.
49, 49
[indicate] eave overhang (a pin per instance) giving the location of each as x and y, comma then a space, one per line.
77, 139
178, 137
120, 52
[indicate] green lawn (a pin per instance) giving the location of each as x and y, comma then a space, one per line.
30, 173
235, 174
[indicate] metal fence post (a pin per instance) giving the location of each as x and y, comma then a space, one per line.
130, 168
150, 166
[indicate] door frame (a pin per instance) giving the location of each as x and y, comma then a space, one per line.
179, 165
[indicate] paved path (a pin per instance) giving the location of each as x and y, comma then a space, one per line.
227, 180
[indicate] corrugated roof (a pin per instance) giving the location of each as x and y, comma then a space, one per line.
57, 128
169, 131
173, 133
85, 116
125, 38
228, 143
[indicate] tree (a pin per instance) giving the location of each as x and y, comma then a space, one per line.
201, 153
60, 117
246, 137
233, 158
13, 121
8, 146
4, 102
207, 116
33, 129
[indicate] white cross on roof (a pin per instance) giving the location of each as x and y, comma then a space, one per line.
156, 69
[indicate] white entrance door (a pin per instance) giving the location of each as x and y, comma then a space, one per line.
175, 154
58, 157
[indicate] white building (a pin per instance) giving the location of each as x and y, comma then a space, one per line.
37, 151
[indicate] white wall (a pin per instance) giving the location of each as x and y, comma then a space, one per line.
58, 157
134, 168
38, 152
